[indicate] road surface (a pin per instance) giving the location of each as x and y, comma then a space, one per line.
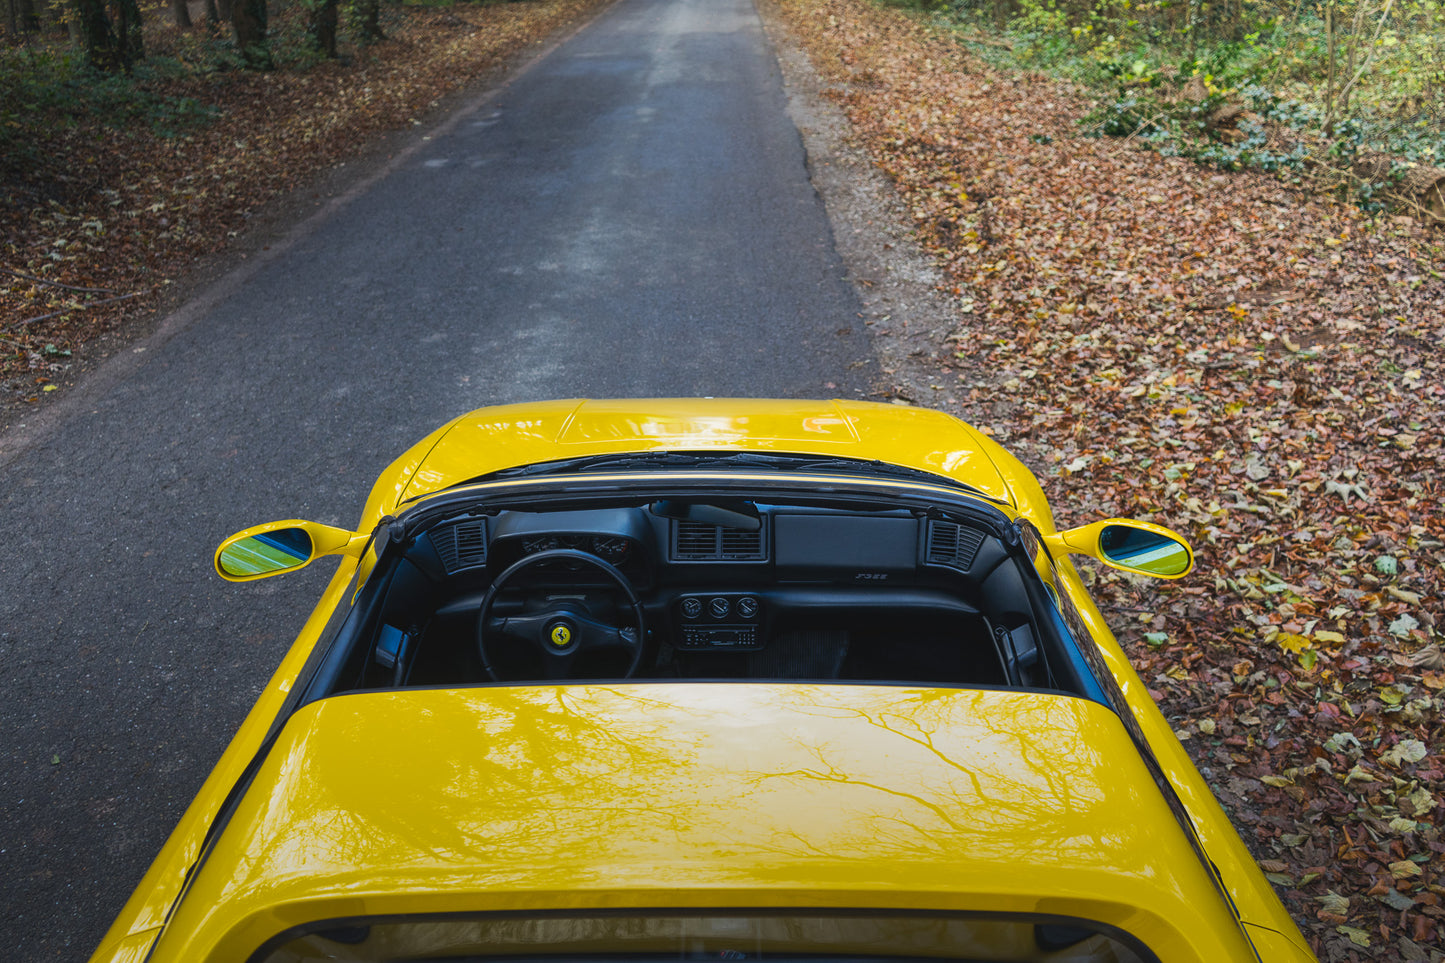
630, 215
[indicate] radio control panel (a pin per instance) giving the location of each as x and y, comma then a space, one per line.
718, 621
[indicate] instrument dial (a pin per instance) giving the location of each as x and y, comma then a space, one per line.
611, 548
542, 543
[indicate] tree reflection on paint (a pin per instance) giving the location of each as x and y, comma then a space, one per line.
661, 794
972, 778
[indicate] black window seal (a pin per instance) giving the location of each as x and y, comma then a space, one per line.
1129, 940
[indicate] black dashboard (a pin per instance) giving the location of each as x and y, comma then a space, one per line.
788, 543
703, 588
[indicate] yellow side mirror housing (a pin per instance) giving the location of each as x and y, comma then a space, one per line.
285, 546
1128, 545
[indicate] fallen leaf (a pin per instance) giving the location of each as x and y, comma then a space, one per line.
1396, 900
1404, 869
1419, 801
1357, 774
1430, 657
1403, 625
1410, 598
1357, 936
1406, 750
1292, 643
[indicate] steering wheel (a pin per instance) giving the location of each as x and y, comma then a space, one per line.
566, 628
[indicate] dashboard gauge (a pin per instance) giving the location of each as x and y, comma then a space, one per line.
610, 548
542, 543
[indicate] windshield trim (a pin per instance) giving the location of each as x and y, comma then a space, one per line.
422, 511
712, 459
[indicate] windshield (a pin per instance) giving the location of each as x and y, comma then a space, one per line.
853, 937
848, 582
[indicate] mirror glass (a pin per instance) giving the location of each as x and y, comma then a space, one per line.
268, 552
1144, 551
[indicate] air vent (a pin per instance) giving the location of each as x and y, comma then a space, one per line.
700, 542
461, 546
952, 544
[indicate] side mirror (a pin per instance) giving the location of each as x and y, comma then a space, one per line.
278, 547
1131, 546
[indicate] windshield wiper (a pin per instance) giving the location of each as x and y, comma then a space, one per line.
859, 466
638, 461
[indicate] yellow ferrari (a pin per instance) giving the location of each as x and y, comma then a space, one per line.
704, 680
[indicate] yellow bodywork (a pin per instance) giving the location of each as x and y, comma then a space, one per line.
702, 795
698, 795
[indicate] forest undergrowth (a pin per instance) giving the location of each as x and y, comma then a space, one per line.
112, 187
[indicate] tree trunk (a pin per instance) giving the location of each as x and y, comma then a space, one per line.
23, 17
181, 13
29, 16
213, 15
248, 17
92, 27
368, 21
128, 33
224, 7
322, 30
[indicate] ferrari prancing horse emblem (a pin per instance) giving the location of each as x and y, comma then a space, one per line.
561, 635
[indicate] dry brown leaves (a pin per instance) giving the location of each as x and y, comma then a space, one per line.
1258, 369
121, 213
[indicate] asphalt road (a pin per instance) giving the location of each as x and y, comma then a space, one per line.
630, 215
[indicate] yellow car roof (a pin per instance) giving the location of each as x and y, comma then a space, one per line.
491, 439
680, 795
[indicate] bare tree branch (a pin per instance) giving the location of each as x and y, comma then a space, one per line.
78, 307
55, 284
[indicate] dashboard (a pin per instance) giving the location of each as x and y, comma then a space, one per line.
715, 588
783, 542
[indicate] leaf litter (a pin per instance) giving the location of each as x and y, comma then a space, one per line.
1259, 368
93, 233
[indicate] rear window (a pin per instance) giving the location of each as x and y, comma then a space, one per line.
846, 937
